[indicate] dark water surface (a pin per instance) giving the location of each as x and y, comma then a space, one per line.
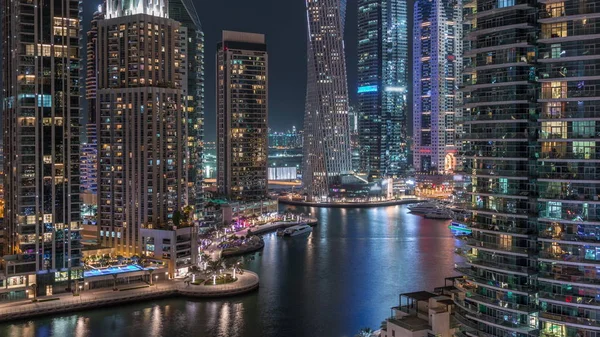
344, 276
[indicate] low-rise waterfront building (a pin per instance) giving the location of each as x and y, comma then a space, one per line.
177, 246
421, 314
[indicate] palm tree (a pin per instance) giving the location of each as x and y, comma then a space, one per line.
214, 269
236, 266
365, 332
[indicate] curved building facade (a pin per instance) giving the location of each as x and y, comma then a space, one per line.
327, 152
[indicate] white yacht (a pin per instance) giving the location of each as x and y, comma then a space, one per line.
439, 214
297, 230
424, 208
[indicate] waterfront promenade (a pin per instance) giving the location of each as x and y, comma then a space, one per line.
89, 299
366, 204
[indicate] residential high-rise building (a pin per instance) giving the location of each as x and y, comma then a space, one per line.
530, 143
184, 12
382, 83
567, 174
327, 149
437, 73
89, 149
41, 111
499, 150
242, 114
143, 118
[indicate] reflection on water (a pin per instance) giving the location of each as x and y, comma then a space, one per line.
344, 276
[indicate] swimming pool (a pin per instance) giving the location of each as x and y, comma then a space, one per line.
114, 270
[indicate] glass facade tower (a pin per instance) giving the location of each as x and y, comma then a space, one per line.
327, 148
41, 111
382, 83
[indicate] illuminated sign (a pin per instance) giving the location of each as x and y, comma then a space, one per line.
367, 88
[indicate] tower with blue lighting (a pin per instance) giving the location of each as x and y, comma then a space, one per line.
382, 82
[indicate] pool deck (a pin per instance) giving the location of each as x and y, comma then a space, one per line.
90, 299
287, 201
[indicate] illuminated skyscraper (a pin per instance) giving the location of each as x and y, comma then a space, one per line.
242, 114
184, 12
41, 111
382, 82
437, 71
327, 149
142, 122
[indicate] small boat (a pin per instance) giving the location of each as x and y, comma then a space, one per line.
459, 229
280, 232
297, 230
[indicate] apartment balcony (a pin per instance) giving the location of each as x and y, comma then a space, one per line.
558, 156
502, 305
567, 258
496, 172
524, 251
568, 278
567, 136
506, 322
502, 229
472, 275
547, 236
499, 136
573, 217
571, 320
502, 267
569, 176
570, 300
482, 100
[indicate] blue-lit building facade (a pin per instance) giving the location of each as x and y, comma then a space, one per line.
327, 148
437, 69
382, 83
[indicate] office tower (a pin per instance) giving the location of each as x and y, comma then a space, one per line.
437, 71
327, 149
568, 169
242, 113
41, 111
184, 12
382, 82
142, 123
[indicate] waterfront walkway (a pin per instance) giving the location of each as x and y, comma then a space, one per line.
366, 204
88, 299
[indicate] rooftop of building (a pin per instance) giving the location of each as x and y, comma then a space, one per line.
412, 323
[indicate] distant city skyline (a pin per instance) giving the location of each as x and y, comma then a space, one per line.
286, 34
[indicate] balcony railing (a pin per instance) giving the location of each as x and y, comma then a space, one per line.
482, 262
569, 278
572, 300
521, 250
570, 319
567, 258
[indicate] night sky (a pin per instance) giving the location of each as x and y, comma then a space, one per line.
284, 24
